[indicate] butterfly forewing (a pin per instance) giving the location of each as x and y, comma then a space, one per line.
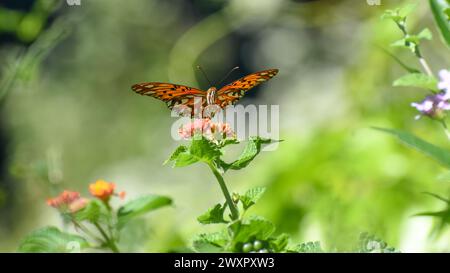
171, 94
231, 93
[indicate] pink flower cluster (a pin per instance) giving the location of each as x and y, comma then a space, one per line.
68, 200
206, 128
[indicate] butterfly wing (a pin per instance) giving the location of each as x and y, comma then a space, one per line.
231, 93
172, 94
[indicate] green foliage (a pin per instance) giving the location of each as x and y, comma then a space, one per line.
412, 42
443, 216
51, 239
213, 215
251, 197
308, 247
204, 150
439, 154
254, 234
90, 213
417, 80
372, 244
140, 206
211, 242
255, 227
279, 243
399, 15
251, 150
440, 10
401, 63
200, 149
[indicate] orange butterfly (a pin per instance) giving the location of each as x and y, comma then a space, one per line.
180, 95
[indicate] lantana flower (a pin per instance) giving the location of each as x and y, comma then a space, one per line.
104, 190
207, 128
68, 201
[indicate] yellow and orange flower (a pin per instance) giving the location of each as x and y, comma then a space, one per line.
68, 201
103, 190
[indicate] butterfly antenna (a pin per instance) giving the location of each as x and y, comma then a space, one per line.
228, 74
204, 74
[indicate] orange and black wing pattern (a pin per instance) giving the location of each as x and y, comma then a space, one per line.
231, 93
172, 94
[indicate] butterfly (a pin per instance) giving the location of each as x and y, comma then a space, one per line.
179, 95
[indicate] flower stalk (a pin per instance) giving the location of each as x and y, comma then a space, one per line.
233, 210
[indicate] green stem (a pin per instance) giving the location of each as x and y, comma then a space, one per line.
110, 242
85, 230
417, 52
226, 193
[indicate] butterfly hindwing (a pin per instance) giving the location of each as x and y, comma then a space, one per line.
231, 93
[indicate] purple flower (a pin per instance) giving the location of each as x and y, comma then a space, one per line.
433, 106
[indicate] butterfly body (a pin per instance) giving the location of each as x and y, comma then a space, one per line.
180, 95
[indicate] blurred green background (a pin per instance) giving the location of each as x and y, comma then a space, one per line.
69, 117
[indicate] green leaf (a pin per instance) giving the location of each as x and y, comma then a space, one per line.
308, 247
392, 15
200, 149
401, 63
211, 242
279, 243
52, 240
228, 141
254, 228
213, 215
251, 150
251, 197
181, 157
439, 9
425, 35
204, 150
90, 213
140, 206
439, 154
372, 244
180, 149
418, 80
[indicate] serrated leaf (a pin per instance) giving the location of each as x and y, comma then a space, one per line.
251, 150
279, 243
228, 141
253, 228
417, 80
439, 9
200, 149
140, 206
204, 150
213, 215
210, 242
251, 197
52, 240
371, 244
437, 153
180, 149
308, 247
